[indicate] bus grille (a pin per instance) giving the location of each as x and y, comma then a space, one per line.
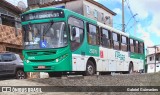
40, 61
38, 53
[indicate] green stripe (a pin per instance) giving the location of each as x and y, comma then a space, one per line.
137, 56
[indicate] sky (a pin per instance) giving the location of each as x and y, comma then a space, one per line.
146, 14
15, 2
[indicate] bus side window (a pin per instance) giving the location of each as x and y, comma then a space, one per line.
132, 49
124, 45
141, 47
136, 46
76, 32
93, 34
116, 41
105, 38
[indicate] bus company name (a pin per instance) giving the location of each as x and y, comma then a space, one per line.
119, 56
93, 51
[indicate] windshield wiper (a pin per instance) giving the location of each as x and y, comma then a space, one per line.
44, 33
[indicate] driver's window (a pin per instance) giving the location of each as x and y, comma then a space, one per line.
76, 32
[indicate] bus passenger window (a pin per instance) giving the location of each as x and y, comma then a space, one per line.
141, 47
105, 39
132, 47
93, 35
136, 46
116, 41
124, 45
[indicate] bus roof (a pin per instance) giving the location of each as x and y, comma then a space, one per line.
68, 12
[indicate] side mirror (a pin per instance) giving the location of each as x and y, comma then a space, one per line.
73, 32
30, 36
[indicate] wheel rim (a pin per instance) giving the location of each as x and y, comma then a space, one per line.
90, 69
20, 75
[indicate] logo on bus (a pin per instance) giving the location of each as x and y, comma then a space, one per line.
93, 51
119, 56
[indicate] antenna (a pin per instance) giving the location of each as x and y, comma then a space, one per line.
21, 5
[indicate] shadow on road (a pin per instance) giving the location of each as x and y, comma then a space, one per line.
6, 78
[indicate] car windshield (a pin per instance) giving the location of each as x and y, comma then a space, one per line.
45, 35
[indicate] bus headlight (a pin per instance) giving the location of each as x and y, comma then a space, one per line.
57, 60
27, 61
61, 58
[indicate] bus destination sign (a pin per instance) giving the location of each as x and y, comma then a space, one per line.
43, 15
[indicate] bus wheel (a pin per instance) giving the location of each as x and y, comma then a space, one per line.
131, 68
55, 74
90, 68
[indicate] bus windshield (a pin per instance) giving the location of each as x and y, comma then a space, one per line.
45, 35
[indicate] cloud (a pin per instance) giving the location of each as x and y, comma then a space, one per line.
118, 11
144, 8
145, 36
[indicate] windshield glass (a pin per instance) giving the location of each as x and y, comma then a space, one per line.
45, 35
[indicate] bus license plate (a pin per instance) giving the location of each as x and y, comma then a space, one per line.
41, 67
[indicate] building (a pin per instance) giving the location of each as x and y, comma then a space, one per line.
151, 60
88, 8
10, 28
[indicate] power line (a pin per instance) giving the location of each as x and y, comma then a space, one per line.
131, 27
133, 16
130, 20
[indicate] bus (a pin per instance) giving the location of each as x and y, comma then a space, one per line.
60, 41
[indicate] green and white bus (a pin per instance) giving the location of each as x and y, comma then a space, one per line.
59, 41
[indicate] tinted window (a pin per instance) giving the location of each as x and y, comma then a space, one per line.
76, 32
106, 38
132, 45
136, 46
116, 41
7, 57
141, 47
93, 34
124, 45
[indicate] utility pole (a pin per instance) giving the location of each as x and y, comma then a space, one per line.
155, 58
123, 23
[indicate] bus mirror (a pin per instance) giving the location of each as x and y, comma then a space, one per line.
30, 36
73, 32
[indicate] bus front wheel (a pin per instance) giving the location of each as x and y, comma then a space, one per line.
90, 68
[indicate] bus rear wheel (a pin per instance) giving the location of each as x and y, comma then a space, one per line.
130, 68
90, 68
55, 74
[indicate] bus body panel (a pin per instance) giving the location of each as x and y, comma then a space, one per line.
59, 60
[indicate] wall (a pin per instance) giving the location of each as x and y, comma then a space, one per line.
76, 6
100, 11
9, 39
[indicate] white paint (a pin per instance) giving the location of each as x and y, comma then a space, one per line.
79, 62
151, 62
112, 29
108, 63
